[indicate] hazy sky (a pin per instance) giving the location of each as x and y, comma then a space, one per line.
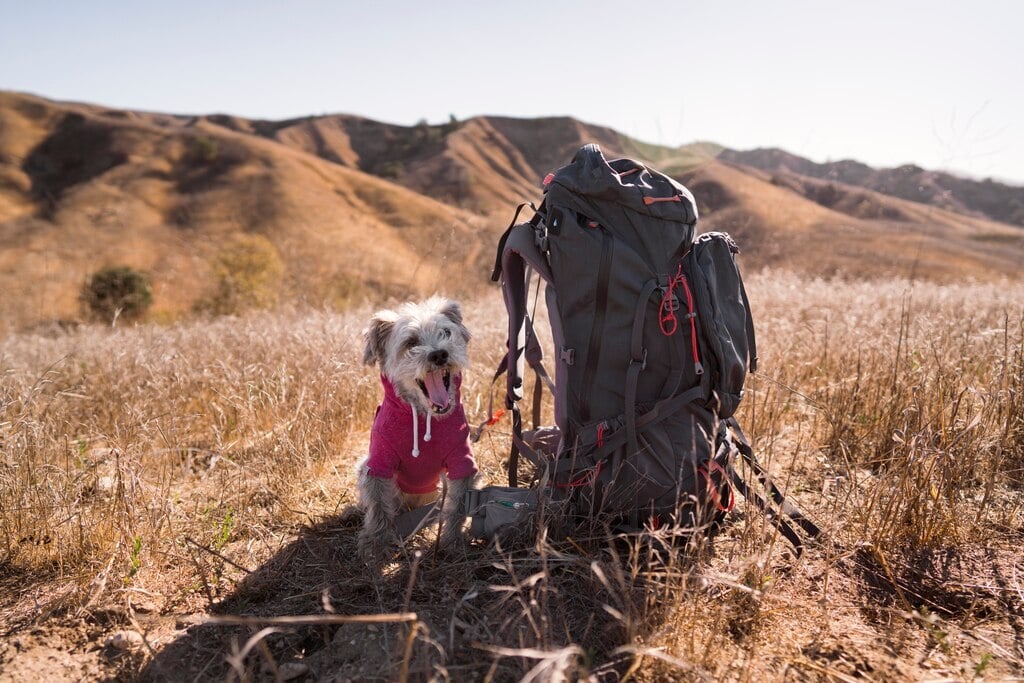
937, 84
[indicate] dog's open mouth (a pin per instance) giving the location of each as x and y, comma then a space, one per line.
435, 387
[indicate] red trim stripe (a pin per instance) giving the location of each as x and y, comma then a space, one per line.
654, 200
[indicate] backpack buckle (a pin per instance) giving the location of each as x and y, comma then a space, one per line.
670, 304
540, 236
641, 361
568, 356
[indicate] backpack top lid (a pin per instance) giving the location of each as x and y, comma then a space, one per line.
626, 182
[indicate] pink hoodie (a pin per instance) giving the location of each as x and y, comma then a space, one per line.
391, 444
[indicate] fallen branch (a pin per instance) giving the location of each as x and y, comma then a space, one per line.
213, 552
311, 619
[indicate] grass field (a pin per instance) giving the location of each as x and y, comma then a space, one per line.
154, 475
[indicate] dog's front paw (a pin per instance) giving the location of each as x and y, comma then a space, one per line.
451, 533
453, 547
351, 516
375, 547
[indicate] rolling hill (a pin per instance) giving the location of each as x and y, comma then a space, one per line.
82, 187
986, 198
355, 208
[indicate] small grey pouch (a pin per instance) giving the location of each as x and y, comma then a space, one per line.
496, 510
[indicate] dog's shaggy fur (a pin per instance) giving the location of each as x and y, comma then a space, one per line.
421, 349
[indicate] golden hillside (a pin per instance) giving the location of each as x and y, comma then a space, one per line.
81, 187
353, 208
831, 229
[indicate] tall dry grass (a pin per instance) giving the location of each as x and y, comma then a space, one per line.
181, 461
157, 433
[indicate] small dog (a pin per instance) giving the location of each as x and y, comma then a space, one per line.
420, 431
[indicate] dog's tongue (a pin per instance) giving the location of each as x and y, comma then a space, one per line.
436, 391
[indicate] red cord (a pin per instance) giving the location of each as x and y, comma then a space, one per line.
667, 314
713, 492
586, 479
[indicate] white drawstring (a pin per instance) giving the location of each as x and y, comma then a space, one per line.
416, 434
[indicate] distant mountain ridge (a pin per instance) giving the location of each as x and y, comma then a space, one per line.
358, 209
984, 198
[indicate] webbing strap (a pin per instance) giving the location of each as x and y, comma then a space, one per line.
496, 272
519, 251
597, 330
520, 447
541, 374
616, 439
538, 395
632, 378
637, 362
513, 454
787, 507
774, 517
751, 339
491, 418
534, 356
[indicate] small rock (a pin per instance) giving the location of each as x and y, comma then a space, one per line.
145, 606
186, 620
290, 670
124, 640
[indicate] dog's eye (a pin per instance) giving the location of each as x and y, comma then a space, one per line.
445, 333
410, 343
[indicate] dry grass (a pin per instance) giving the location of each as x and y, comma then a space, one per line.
154, 472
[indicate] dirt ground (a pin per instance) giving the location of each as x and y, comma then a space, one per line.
836, 614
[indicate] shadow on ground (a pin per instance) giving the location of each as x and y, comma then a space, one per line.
472, 605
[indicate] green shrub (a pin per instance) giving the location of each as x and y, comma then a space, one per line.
453, 125
247, 273
117, 292
389, 169
427, 134
202, 150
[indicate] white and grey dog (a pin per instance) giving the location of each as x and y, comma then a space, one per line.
420, 431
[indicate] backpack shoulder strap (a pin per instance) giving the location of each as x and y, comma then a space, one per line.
518, 253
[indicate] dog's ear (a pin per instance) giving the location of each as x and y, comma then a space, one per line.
376, 336
453, 311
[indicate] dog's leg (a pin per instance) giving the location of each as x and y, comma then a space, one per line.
380, 500
452, 514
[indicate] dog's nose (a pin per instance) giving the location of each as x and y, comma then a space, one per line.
438, 357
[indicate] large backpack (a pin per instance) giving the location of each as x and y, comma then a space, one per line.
653, 339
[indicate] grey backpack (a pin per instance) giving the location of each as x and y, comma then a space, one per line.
652, 342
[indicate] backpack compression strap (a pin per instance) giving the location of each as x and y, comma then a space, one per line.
786, 508
751, 338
